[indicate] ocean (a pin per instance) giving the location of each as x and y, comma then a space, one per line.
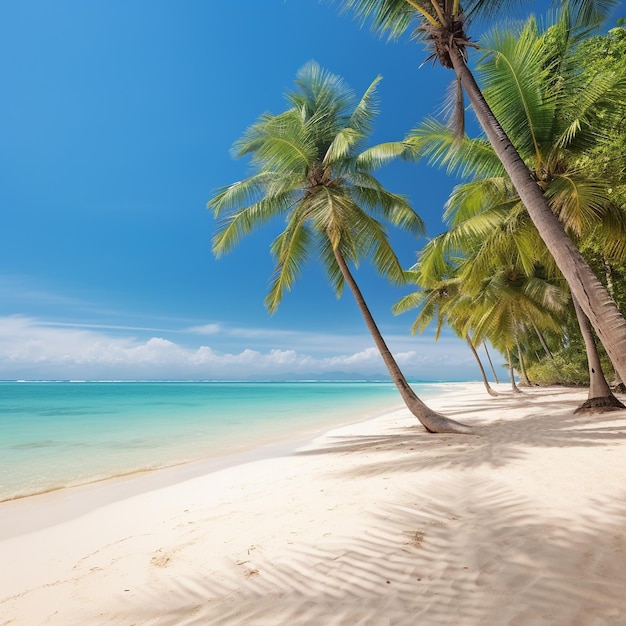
60, 434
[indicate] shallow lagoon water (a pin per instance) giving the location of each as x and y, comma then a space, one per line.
58, 434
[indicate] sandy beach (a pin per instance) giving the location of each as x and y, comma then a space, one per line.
376, 523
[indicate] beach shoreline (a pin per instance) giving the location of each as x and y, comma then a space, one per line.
373, 522
62, 434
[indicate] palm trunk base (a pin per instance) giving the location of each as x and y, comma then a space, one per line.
600, 405
434, 422
491, 391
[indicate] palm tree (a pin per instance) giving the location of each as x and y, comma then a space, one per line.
441, 24
553, 145
488, 294
476, 242
312, 170
550, 142
442, 298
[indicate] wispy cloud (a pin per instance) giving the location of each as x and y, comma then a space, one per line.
206, 329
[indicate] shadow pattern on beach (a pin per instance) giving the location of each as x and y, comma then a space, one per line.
436, 562
495, 444
466, 548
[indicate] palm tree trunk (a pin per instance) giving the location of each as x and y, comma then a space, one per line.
542, 341
610, 286
490, 391
600, 397
493, 369
522, 365
592, 297
514, 386
432, 421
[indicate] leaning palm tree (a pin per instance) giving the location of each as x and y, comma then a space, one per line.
312, 169
442, 298
544, 127
477, 233
441, 24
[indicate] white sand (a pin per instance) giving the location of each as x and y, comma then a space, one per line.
376, 523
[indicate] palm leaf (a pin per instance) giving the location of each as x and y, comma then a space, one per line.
291, 249
435, 142
366, 110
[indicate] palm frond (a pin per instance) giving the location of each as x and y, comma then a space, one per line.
341, 146
235, 225
291, 250
381, 154
592, 12
592, 111
329, 262
578, 202
436, 142
513, 69
393, 17
409, 302
241, 192
319, 90
394, 208
476, 196
366, 110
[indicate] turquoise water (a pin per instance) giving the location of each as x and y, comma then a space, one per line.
57, 434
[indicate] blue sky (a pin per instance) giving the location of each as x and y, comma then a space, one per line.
116, 123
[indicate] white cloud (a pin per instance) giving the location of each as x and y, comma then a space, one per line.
31, 348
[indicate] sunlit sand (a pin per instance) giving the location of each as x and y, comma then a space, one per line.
375, 523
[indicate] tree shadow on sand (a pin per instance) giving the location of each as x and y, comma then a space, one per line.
542, 425
474, 554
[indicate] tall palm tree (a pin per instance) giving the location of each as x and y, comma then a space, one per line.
533, 64
442, 25
312, 170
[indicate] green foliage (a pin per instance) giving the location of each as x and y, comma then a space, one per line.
490, 275
312, 168
564, 369
568, 363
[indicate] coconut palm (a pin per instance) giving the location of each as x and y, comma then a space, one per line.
486, 251
552, 144
487, 295
312, 170
443, 298
441, 24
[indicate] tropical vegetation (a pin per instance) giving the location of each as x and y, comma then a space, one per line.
441, 24
536, 81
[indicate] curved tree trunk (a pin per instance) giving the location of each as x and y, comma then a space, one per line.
493, 369
514, 386
592, 297
432, 421
546, 349
610, 286
600, 397
542, 341
490, 391
522, 365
